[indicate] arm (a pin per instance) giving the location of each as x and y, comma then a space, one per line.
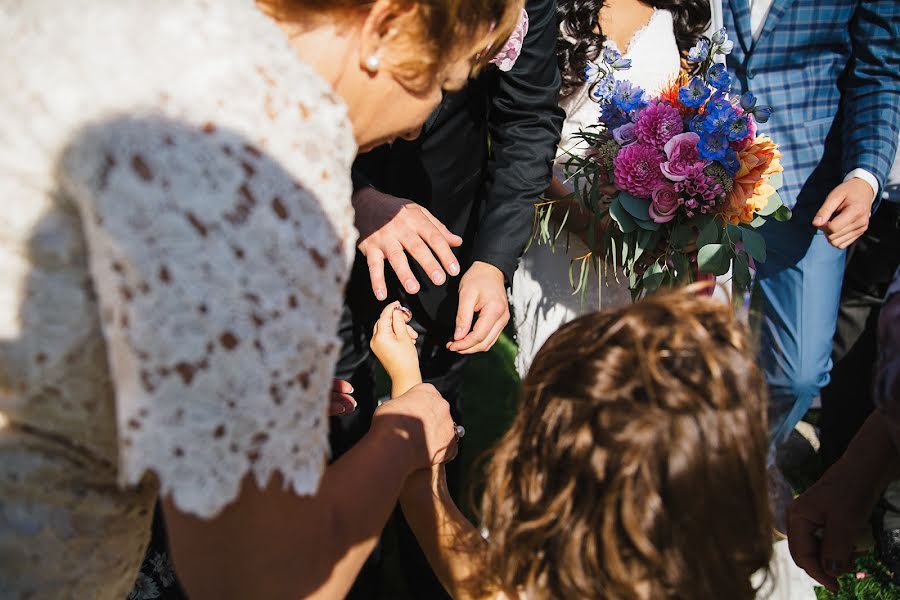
870, 106
524, 123
272, 543
840, 503
451, 543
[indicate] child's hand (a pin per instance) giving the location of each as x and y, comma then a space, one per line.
394, 344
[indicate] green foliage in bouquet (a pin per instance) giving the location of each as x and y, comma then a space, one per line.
869, 580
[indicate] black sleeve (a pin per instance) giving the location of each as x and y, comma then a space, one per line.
524, 123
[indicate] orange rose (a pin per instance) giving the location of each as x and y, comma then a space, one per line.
751, 190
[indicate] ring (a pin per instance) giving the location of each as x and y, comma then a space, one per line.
405, 311
460, 431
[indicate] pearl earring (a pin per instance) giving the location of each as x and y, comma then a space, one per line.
373, 63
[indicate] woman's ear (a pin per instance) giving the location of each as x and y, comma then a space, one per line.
379, 28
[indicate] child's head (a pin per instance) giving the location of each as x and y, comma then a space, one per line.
636, 467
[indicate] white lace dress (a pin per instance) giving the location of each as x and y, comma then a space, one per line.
541, 295
175, 235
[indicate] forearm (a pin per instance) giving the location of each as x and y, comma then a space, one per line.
403, 382
272, 543
872, 457
454, 548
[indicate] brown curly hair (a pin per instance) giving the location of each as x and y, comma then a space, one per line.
433, 30
635, 468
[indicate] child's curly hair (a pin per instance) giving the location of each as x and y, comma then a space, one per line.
636, 467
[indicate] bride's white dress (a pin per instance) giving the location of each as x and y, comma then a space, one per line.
541, 296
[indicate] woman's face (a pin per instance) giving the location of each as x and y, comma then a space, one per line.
393, 111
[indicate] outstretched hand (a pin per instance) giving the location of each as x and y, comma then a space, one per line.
390, 227
482, 290
844, 216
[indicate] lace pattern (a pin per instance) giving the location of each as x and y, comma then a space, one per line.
176, 237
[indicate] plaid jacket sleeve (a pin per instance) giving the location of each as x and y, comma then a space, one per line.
871, 96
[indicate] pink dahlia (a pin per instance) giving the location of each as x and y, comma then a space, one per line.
636, 168
657, 124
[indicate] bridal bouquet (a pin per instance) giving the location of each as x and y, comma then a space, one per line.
678, 183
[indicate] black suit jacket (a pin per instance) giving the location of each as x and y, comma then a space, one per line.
480, 163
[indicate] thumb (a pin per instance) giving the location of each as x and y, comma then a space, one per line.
837, 547
464, 315
831, 204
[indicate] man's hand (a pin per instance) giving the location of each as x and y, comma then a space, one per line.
389, 227
845, 214
481, 291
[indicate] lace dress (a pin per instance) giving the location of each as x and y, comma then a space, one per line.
541, 295
175, 235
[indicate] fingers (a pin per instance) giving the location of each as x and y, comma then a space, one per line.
341, 387
397, 257
340, 404
490, 323
385, 321
375, 261
805, 547
452, 239
464, 315
837, 546
843, 240
399, 319
832, 203
422, 255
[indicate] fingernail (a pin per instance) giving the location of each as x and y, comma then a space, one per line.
411, 286
351, 390
380, 294
818, 221
438, 277
454, 269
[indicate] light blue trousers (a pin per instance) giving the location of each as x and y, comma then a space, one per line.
797, 292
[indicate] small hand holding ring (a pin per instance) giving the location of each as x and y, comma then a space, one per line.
460, 431
406, 312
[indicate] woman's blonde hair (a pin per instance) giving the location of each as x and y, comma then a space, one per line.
432, 33
636, 466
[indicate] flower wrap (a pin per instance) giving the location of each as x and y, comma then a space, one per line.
507, 57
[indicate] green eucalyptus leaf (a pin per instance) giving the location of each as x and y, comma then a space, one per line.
648, 225
681, 235
783, 213
757, 222
710, 234
653, 277
733, 232
624, 220
776, 180
639, 208
755, 245
714, 258
772, 204
741, 272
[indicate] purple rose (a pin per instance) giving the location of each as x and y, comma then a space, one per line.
664, 203
683, 156
625, 134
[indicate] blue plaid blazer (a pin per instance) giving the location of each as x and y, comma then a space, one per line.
831, 71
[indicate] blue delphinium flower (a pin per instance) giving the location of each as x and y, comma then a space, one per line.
602, 89
713, 145
699, 53
628, 97
696, 124
611, 116
694, 94
591, 71
718, 76
748, 101
762, 113
718, 117
615, 60
737, 128
722, 45
731, 162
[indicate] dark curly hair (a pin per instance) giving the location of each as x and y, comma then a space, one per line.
579, 21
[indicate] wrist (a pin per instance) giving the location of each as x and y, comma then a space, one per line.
393, 443
403, 382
